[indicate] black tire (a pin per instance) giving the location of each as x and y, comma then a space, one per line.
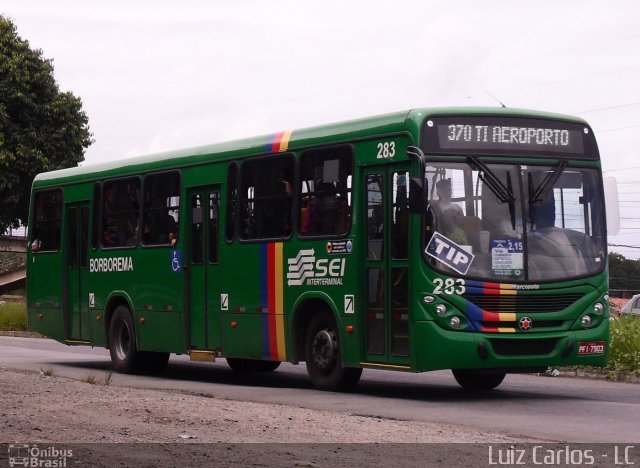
252, 365
125, 357
324, 357
122, 341
478, 380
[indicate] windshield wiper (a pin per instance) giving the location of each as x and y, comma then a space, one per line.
502, 192
546, 185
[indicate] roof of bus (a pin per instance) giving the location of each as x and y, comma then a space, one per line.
300, 138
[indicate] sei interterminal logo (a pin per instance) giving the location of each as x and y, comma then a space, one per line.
42, 457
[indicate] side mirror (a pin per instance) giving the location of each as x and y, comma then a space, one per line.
417, 192
612, 205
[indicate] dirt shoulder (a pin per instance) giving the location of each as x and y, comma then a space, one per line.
40, 409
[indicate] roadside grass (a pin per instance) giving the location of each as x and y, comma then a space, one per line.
90, 379
13, 316
48, 372
624, 347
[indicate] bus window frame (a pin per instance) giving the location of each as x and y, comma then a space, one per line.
180, 214
104, 182
352, 153
32, 215
294, 195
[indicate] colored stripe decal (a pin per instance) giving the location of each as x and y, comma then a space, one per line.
280, 142
273, 342
477, 315
284, 142
279, 292
264, 319
272, 301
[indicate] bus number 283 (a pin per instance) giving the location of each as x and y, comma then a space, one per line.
449, 286
386, 150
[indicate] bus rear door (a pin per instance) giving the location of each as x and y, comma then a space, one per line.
386, 265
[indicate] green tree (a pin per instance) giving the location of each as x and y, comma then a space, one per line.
624, 273
41, 128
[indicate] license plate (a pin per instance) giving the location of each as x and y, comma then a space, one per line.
591, 347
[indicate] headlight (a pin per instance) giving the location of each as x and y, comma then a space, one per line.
455, 322
598, 308
586, 321
441, 310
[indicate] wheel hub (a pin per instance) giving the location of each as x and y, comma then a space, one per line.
324, 349
123, 343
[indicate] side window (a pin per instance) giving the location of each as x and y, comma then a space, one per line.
120, 212
160, 208
232, 200
47, 219
266, 193
325, 192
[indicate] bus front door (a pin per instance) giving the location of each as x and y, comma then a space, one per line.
76, 307
386, 263
203, 268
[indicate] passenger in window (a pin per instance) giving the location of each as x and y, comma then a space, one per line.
146, 233
132, 240
173, 239
287, 188
309, 217
36, 245
328, 207
401, 222
448, 214
343, 215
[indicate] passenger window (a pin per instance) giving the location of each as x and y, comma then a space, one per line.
325, 192
120, 214
161, 208
266, 193
47, 221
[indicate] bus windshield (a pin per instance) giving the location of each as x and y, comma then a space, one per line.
515, 223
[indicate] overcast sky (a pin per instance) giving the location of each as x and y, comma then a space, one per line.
159, 75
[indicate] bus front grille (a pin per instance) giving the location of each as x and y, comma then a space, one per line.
521, 303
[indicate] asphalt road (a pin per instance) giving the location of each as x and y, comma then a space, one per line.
548, 408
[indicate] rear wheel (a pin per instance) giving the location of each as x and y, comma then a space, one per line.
252, 365
324, 358
122, 341
478, 380
125, 356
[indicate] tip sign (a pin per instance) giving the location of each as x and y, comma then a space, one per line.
448, 252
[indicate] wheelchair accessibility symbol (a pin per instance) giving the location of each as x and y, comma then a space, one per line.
176, 261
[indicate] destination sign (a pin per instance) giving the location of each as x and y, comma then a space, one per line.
508, 136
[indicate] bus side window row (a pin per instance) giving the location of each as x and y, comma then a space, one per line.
124, 208
264, 198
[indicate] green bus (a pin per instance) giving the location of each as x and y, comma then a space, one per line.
470, 239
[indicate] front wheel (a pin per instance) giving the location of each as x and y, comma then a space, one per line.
478, 380
324, 358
